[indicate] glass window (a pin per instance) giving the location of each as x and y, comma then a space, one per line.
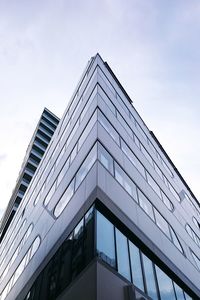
179, 292
136, 267
108, 127
106, 99
146, 205
196, 259
158, 171
94, 92
146, 154
122, 255
73, 154
187, 297
124, 124
72, 132
35, 246
86, 166
175, 240
122, 104
133, 158
60, 206
125, 181
162, 223
50, 194
141, 130
165, 285
87, 129
167, 202
174, 192
62, 172
153, 184
60, 156
105, 158
105, 240
196, 222
136, 140
150, 278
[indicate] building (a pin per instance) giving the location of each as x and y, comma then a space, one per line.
107, 214
37, 146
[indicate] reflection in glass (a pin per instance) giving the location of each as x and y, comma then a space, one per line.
105, 158
86, 166
105, 240
150, 278
146, 205
60, 206
136, 267
179, 292
125, 181
165, 285
122, 255
160, 221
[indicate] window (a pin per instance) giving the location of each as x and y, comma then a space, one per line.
62, 172
136, 267
60, 206
175, 240
146, 205
196, 260
150, 278
108, 127
162, 223
179, 292
124, 124
133, 158
50, 194
153, 184
174, 192
167, 202
165, 285
105, 240
73, 154
122, 255
86, 166
105, 158
146, 154
197, 224
87, 130
125, 181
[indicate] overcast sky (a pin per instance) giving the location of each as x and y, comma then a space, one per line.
152, 46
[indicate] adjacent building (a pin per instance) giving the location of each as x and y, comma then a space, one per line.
37, 146
107, 215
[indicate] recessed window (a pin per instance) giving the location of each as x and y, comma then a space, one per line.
197, 224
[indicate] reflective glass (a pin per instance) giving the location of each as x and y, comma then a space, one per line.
122, 255
105, 240
108, 127
106, 99
167, 201
125, 181
153, 184
179, 292
73, 154
136, 267
174, 192
146, 154
187, 297
86, 166
175, 240
105, 158
62, 172
162, 223
165, 285
60, 156
50, 194
88, 103
124, 124
146, 205
87, 129
150, 277
133, 158
35, 246
60, 206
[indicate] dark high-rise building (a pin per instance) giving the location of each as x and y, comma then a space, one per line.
107, 215
36, 148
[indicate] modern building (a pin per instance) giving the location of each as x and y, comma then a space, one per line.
36, 148
107, 215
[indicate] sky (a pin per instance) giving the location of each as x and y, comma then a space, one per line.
152, 46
